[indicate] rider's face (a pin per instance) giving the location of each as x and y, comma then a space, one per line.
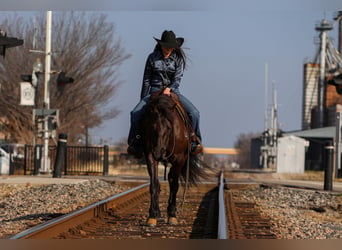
167, 51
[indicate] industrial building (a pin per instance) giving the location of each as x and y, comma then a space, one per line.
321, 115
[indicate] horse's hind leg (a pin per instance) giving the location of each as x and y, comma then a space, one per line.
174, 186
154, 211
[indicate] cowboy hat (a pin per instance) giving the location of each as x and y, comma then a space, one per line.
169, 40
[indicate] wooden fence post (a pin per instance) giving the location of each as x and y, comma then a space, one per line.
105, 160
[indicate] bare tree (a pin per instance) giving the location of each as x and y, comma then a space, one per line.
85, 47
243, 144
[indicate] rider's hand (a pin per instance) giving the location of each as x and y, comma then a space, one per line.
167, 91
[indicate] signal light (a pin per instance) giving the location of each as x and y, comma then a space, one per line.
33, 79
62, 80
26, 78
8, 42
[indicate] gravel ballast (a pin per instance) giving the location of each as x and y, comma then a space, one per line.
23, 206
298, 213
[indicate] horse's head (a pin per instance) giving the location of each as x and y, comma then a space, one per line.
158, 126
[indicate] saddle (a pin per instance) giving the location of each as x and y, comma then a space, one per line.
182, 112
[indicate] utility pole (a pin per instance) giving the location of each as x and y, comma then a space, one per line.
266, 96
339, 19
274, 116
46, 161
264, 151
269, 137
338, 145
338, 139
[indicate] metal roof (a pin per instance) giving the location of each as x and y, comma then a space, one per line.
326, 132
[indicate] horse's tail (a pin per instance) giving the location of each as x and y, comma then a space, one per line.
194, 170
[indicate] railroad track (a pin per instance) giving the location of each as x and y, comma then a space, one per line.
246, 222
124, 216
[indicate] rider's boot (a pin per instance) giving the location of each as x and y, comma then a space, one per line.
196, 146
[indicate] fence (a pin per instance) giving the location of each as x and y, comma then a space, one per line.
79, 160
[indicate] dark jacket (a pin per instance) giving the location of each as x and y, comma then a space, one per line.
161, 72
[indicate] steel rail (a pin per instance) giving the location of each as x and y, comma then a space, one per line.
43, 230
222, 220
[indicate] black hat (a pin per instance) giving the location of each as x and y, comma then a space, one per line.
169, 40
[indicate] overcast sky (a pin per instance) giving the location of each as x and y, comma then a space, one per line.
229, 43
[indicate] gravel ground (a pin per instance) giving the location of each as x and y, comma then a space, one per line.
23, 206
297, 213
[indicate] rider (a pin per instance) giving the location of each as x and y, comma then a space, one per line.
163, 70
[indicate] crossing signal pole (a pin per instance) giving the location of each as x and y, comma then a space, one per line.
49, 116
46, 161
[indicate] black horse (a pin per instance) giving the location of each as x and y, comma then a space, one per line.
166, 131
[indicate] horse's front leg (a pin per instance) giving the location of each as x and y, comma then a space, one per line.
174, 186
154, 211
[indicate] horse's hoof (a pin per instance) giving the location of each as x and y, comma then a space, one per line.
151, 222
172, 221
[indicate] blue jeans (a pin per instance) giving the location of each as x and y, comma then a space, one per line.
138, 111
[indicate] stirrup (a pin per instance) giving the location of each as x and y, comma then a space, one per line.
196, 148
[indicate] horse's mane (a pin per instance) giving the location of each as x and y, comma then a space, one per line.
162, 104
